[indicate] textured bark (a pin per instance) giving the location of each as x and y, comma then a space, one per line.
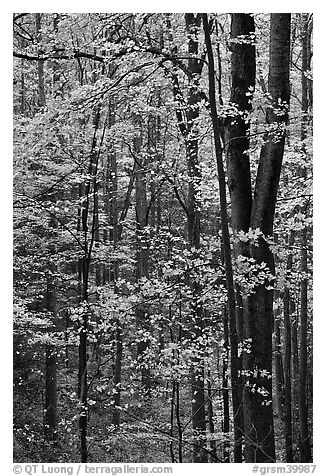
258, 410
235, 381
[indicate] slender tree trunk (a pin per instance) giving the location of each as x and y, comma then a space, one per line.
210, 414
225, 389
88, 229
50, 413
82, 364
40, 65
172, 421
51, 417
197, 372
287, 365
110, 270
278, 365
177, 395
305, 446
187, 122
305, 450
235, 381
142, 260
294, 310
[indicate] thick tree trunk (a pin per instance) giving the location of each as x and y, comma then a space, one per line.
237, 142
258, 413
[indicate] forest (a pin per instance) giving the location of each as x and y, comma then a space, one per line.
162, 237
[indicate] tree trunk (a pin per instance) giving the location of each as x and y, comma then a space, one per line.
142, 260
278, 366
193, 206
50, 413
51, 418
294, 310
237, 142
258, 413
305, 447
287, 365
225, 389
40, 65
210, 415
235, 381
88, 229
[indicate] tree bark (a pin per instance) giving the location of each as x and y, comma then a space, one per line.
193, 22
142, 260
51, 416
225, 390
258, 413
40, 64
287, 364
237, 143
235, 381
210, 415
305, 446
278, 366
50, 413
88, 228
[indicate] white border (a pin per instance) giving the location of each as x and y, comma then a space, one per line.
319, 190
